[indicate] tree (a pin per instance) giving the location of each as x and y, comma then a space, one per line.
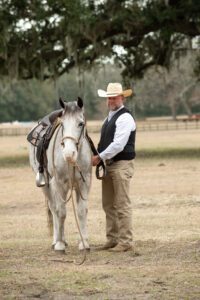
172, 92
46, 38
26, 100
32, 99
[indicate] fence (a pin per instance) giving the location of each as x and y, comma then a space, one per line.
165, 126
94, 127
14, 131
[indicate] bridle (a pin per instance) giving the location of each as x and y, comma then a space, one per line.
77, 141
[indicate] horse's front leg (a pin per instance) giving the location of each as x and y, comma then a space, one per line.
82, 210
59, 228
58, 209
59, 214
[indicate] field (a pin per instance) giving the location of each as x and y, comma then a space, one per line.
166, 207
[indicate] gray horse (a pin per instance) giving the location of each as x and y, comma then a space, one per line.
69, 166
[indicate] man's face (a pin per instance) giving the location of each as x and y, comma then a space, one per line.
114, 103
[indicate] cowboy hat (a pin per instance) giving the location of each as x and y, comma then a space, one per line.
113, 90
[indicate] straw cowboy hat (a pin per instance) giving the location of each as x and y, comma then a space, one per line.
113, 90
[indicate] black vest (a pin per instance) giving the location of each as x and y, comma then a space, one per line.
107, 136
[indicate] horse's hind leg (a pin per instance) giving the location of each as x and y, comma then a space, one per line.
82, 217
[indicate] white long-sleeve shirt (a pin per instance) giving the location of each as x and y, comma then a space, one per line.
124, 125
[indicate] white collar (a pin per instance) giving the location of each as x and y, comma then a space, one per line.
113, 112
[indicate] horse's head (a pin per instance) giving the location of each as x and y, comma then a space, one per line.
73, 125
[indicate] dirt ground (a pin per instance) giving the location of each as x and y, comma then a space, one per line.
166, 207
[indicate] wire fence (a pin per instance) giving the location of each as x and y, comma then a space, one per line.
94, 127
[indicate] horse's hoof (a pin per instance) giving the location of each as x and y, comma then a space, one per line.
87, 249
59, 246
82, 248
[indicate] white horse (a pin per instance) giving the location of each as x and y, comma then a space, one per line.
69, 162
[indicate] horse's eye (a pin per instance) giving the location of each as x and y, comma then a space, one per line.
80, 124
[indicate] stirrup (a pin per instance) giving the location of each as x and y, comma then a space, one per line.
40, 179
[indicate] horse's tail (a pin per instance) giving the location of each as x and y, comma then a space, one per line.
49, 218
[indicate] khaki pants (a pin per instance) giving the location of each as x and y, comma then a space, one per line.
117, 203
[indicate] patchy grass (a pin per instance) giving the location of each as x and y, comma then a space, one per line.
165, 260
14, 161
168, 144
164, 264
169, 153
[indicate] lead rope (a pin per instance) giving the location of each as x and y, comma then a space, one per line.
77, 222
71, 197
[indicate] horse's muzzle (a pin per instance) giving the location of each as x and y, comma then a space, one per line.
70, 157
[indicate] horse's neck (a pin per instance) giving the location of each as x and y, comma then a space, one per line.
54, 152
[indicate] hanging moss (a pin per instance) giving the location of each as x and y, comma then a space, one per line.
37, 36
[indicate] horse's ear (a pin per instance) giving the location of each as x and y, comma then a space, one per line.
62, 104
79, 102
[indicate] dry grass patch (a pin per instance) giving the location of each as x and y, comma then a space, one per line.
165, 263
166, 209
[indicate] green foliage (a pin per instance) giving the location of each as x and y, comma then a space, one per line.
32, 99
152, 110
197, 65
47, 38
26, 101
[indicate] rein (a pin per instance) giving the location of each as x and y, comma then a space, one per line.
77, 142
101, 166
76, 219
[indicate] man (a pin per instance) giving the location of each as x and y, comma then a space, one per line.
117, 149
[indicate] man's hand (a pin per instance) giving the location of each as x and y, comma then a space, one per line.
96, 160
